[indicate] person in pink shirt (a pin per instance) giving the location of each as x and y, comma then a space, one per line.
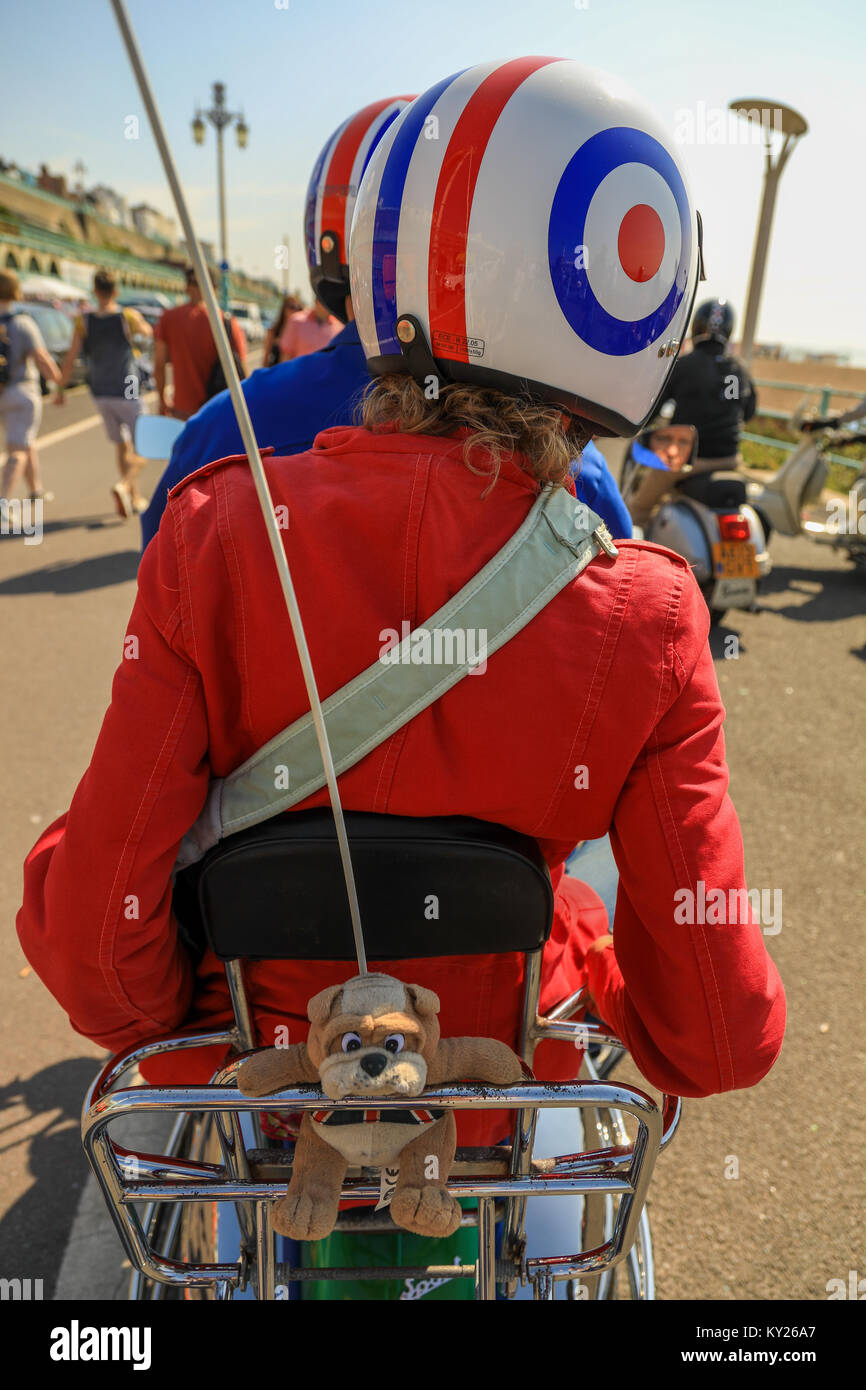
308, 331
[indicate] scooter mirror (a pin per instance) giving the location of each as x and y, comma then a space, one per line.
155, 435
674, 445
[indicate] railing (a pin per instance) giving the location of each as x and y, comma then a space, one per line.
825, 393
788, 448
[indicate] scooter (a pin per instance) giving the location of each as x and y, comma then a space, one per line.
781, 503
706, 517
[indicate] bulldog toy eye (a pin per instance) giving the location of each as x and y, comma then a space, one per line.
394, 1042
351, 1042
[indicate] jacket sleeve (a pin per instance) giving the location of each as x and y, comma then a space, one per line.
688, 985
96, 922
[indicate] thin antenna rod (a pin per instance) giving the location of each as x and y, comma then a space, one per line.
255, 462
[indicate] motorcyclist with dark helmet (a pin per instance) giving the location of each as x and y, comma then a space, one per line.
712, 389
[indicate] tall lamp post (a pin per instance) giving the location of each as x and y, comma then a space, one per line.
220, 117
790, 125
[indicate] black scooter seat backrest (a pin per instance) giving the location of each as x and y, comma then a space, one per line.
722, 491
426, 887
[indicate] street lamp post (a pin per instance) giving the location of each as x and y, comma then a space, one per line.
220, 117
791, 125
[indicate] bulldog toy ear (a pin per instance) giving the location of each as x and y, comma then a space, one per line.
426, 1002
319, 1007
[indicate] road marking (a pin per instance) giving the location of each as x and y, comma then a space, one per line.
44, 440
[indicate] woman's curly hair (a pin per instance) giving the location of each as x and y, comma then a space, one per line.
499, 425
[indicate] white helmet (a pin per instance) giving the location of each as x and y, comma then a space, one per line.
527, 226
331, 194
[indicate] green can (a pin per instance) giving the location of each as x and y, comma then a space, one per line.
366, 1249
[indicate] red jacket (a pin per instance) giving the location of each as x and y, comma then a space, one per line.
614, 677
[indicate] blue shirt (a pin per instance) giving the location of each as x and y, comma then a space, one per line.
596, 487
293, 402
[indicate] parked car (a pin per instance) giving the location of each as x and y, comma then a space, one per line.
57, 329
250, 320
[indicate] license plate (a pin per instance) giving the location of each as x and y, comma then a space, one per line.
734, 593
735, 560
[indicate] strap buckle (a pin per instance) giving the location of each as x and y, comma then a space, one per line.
603, 536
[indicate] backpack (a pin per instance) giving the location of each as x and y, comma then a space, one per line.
216, 381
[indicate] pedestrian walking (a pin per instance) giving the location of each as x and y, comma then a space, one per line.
23, 356
105, 336
183, 337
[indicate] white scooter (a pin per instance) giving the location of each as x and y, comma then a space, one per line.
704, 516
781, 502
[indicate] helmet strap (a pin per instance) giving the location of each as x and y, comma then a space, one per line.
417, 355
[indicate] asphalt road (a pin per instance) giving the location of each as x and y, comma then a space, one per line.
792, 1218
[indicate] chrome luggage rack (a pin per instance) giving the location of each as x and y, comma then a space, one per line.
501, 1179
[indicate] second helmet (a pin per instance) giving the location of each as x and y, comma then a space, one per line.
331, 195
713, 319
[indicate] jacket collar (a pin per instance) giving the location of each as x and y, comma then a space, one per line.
345, 439
346, 335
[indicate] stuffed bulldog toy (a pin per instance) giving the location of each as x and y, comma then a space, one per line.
374, 1036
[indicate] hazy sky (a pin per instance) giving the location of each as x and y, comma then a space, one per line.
299, 67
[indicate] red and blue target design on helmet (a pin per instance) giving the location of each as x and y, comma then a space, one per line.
621, 199
534, 221
331, 193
